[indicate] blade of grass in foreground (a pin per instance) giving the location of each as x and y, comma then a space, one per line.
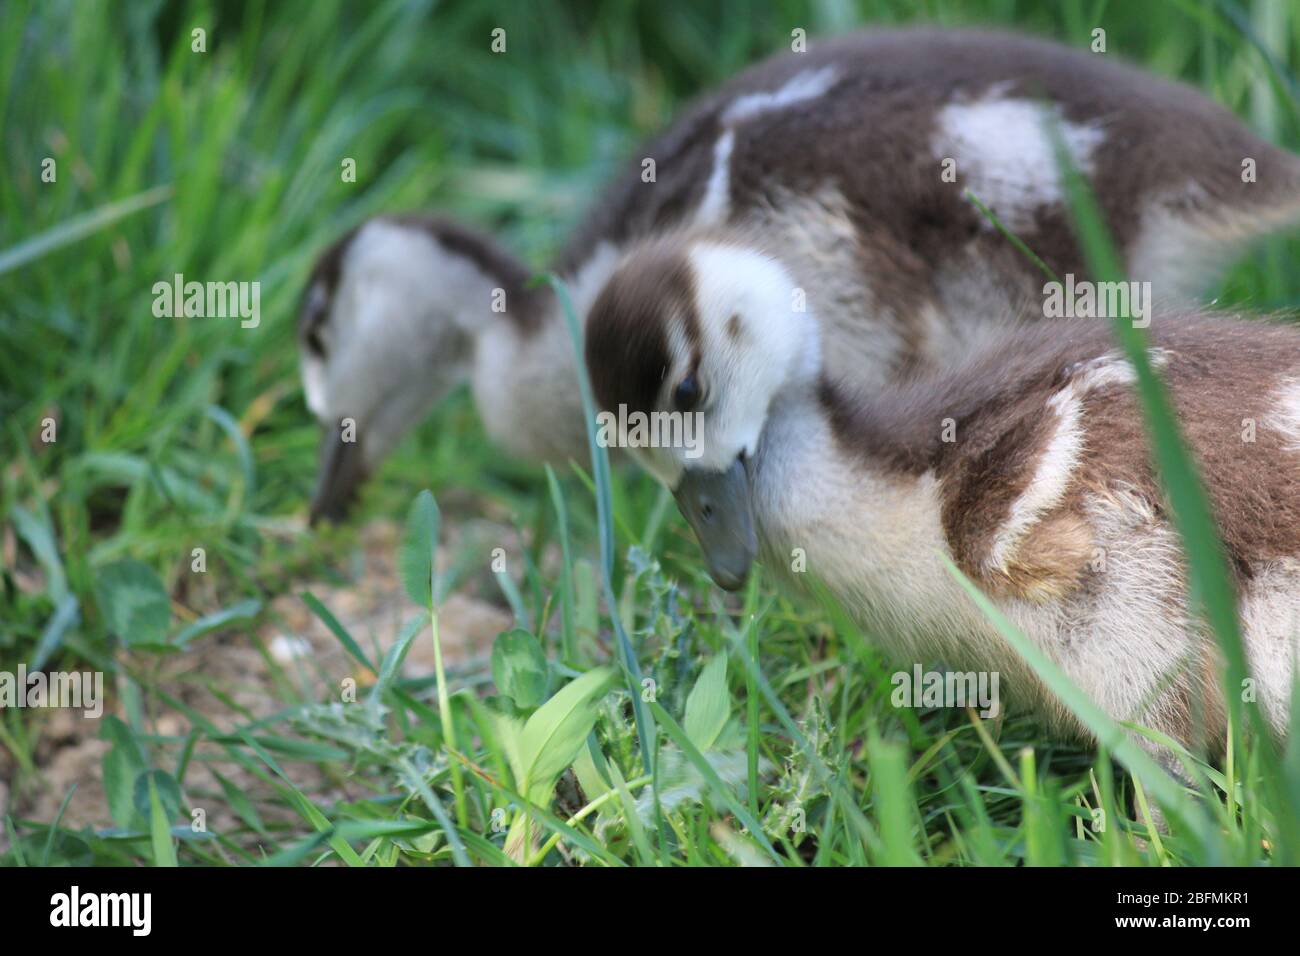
80, 227
894, 799
568, 632
605, 518
1011, 237
418, 569
416, 782
164, 853
1210, 583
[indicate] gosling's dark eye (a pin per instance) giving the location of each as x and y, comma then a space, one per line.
687, 394
315, 343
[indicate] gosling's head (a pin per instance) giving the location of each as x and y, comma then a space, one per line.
385, 330
700, 337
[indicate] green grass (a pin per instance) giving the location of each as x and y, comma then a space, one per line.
177, 434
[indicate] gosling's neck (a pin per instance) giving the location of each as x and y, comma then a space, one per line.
525, 374
863, 519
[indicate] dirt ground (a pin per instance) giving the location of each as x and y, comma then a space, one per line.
230, 678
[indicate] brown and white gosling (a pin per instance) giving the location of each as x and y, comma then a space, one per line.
1026, 465
854, 160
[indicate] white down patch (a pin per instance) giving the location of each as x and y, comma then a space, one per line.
807, 85
1051, 477
1055, 468
1286, 418
587, 281
717, 196
1004, 153
800, 88
314, 385
1270, 617
313, 367
1113, 369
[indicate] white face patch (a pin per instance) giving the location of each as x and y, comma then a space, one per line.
751, 344
313, 384
800, 88
314, 371
397, 333
1004, 153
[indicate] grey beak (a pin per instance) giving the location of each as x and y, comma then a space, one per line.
342, 469
717, 506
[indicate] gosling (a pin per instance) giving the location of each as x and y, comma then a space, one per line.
1026, 465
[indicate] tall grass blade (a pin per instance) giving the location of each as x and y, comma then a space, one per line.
605, 517
80, 227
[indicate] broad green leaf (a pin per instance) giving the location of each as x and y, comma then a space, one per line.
709, 705
553, 735
588, 767
54, 848
519, 667
134, 603
510, 733
743, 851
415, 559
